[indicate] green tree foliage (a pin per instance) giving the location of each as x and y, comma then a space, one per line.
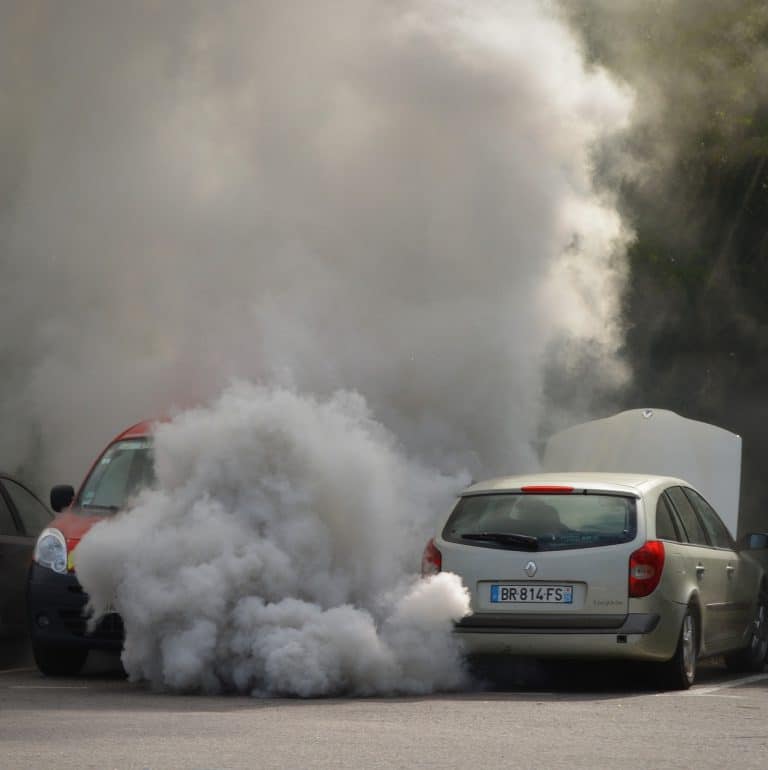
692, 172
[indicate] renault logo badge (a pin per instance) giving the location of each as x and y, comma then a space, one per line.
531, 568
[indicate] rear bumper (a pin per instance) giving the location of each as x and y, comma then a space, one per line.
56, 604
490, 623
636, 636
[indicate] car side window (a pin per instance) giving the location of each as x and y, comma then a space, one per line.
717, 531
694, 531
33, 514
7, 524
666, 529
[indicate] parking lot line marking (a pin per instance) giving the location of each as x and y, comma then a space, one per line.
724, 686
16, 670
735, 683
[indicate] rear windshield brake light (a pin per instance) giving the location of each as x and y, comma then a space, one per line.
546, 489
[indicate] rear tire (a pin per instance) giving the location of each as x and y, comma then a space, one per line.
679, 673
59, 661
752, 657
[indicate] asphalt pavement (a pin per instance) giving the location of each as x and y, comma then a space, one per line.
538, 716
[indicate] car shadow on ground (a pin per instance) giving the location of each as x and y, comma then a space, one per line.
103, 665
504, 675
495, 677
15, 653
582, 679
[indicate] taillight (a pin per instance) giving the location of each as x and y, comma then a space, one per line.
645, 567
431, 560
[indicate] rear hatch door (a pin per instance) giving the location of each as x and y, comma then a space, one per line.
544, 559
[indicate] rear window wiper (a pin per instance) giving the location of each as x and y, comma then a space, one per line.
525, 542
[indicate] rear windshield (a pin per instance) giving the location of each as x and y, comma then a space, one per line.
123, 470
542, 522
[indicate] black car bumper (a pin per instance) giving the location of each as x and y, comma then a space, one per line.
56, 605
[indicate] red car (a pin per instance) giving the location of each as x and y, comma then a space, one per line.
55, 599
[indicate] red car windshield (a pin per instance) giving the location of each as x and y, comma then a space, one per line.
125, 468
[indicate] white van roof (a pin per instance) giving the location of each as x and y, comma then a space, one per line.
658, 442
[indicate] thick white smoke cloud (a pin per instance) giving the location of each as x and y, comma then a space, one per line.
276, 555
394, 198
391, 199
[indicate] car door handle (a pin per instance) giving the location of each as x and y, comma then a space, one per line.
700, 570
730, 569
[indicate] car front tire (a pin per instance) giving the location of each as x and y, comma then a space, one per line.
59, 661
752, 657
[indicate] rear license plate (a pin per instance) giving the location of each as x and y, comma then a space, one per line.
516, 593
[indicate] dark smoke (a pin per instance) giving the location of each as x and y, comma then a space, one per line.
693, 178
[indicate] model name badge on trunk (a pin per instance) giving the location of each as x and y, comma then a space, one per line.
531, 594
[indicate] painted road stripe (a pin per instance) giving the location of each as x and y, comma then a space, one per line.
725, 685
715, 689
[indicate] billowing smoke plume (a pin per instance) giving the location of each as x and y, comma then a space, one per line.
394, 198
273, 555
390, 199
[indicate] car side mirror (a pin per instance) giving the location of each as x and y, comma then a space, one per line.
756, 541
62, 497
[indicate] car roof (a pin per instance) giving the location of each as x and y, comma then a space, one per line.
12, 477
139, 430
634, 483
17, 480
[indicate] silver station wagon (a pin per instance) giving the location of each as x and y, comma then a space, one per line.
603, 565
